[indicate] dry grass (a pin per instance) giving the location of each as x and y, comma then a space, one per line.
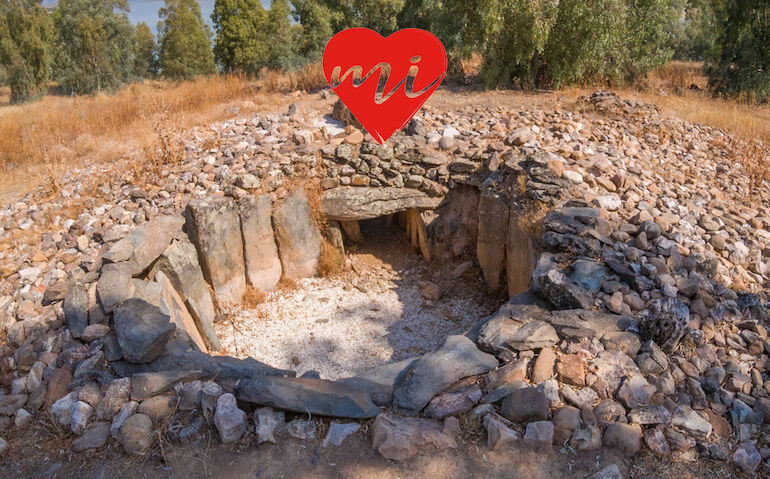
253, 297
287, 284
75, 131
309, 78
58, 130
670, 89
331, 261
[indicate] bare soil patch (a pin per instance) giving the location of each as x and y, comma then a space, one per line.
371, 315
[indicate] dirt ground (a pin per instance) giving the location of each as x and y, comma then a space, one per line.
39, 450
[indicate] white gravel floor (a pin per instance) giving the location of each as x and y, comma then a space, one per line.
372, 316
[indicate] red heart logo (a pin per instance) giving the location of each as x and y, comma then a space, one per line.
357, 60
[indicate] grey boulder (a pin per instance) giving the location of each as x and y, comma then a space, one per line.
434, 372
142, 330
308, 395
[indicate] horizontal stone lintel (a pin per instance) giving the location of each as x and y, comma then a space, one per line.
349, 203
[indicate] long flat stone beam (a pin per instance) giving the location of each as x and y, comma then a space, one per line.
348, 203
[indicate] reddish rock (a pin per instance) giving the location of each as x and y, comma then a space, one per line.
57, 385
571, 370
454, 403
719, 424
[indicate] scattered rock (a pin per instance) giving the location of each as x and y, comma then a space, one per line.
136, 434
338, 432
524, 405
302, 430
142, 330
94, 437
399, 438
267, 421
626, 438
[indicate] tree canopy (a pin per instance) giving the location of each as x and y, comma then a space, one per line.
25, 48
145, 58
93, 43
184, 41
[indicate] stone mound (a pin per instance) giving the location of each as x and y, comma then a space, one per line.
636, 313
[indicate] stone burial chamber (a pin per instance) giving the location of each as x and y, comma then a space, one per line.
162, 288
613, 332
167, 283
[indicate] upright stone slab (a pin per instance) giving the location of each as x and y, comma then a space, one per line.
299, 241
172, 305
519, 256
352, 230
215, 229
180, 265
490, 248
263, 267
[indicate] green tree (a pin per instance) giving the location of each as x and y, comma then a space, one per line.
459, 24
651, 27
695, 36
185, 45
145, 61
25, 53
241, 42
515, 35
551, 42
320, 19
740, 63
379, 15
315, 20
588, 42
283, 37
94, 44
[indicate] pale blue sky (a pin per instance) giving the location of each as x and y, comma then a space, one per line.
147, 11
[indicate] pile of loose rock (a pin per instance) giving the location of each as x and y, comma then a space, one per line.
634, 267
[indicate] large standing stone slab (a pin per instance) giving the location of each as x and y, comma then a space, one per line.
215, 229
171, 303
519, 256
180, 265
316, 396
436, 371
142, 330
263, 267
298, 238
491, 245
351, 203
